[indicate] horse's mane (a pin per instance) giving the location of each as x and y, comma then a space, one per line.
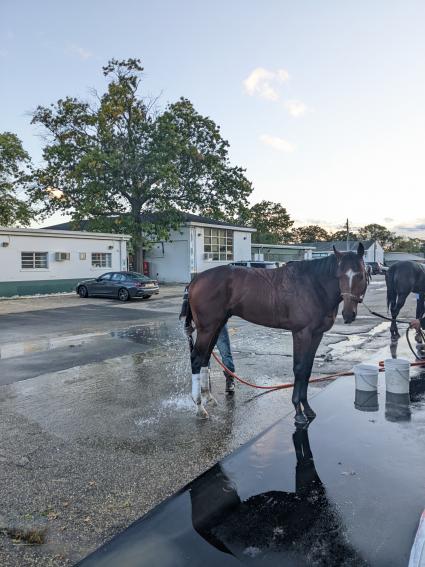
318, 267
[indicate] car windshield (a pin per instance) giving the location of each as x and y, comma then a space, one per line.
136, 276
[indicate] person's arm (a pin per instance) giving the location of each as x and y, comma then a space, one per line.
418, 323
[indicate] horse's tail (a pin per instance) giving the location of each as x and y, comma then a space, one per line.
186, 313
391, 289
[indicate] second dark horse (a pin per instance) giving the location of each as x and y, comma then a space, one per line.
403, 278
302, 297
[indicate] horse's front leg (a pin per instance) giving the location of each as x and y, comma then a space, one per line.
401, 300
315, 342
305, 347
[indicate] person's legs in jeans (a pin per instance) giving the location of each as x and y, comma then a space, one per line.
223, 345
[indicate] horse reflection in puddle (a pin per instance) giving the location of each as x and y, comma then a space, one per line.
303, 525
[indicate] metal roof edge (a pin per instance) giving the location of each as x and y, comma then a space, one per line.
64, 233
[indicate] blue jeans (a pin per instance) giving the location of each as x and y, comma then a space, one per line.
223, 345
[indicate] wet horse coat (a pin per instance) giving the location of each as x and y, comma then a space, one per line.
302, 297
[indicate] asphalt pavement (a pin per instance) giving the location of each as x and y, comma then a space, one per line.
97, 424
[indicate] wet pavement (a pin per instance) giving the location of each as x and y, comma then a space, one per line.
347, 491
97, 424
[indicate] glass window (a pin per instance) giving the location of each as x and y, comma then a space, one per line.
138, 277
218, 244
118, 277
34, 260
101, 260
105, 277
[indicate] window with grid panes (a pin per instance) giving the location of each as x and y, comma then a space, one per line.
101, 260
34, 261
218, 244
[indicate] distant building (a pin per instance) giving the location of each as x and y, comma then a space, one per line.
41, 261
393, 257
281, 252
373, 250
199, 244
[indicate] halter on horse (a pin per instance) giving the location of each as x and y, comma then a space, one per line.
302, 297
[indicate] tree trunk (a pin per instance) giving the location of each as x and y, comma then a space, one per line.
138, 258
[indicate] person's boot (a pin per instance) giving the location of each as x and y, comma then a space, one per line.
230, 383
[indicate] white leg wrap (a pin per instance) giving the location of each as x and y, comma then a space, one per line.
196, 388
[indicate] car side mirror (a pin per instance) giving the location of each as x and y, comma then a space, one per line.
97, 279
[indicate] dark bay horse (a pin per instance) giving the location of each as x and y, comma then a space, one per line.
403, 278
302, 297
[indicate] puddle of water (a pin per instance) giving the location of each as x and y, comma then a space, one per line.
354, 342
10, 350
160, 334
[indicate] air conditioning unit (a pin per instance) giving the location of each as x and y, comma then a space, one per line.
208, 256
61, 256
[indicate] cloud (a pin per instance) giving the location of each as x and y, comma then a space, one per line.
279, 144
81, 52
295, 108
262, 82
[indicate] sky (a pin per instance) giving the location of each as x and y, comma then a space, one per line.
321, 102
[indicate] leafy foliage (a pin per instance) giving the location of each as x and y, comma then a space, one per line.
377, 232
14, 161
310, 233
271, 220
118, 161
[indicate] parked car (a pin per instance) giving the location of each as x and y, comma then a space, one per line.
377, 267
122, 285
257, 264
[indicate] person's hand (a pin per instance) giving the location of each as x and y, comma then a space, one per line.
415, 324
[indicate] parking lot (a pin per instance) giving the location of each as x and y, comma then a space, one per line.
97, 423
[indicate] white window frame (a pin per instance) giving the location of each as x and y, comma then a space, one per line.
218, 244
104, 260
34, 261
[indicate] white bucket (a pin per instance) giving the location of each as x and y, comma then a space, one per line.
397, 375
366, 377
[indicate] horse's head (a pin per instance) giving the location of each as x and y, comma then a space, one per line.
352, 280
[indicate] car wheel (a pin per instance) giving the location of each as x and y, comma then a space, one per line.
123, 294
83, 291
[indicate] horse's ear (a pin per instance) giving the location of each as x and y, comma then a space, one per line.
337, 253
360, 250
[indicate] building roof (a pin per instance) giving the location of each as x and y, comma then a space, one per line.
399, 256
63, 234
187, 218
340, 245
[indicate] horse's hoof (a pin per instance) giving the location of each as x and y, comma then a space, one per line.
201, 412
210, 400
300, 419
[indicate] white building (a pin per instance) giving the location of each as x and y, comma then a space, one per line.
199, 244
282, 252
47, 261
373, 250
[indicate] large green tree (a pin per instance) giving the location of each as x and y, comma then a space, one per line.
14, 162
310, 233
118, 160
377, 232
342, 235
271, 220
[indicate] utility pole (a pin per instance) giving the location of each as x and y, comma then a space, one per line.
348, 235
